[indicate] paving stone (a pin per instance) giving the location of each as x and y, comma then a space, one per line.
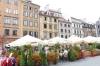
88, 61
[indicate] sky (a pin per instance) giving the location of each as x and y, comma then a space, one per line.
89, 9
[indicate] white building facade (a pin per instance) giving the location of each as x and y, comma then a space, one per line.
77, 27
64, 28
97, 27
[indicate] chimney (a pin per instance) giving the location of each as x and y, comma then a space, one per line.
68, 20
59, 10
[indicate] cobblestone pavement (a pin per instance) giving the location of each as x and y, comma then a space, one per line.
88, 61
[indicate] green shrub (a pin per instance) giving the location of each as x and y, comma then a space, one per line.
98, 46
43, 56
29, 62
77, 48
22, 59
72, 56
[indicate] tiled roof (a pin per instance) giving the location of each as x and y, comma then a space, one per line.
54, 11
63, 20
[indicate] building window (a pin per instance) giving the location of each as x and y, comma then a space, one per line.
61, 30
50, 19
65, 25
16, 3
74, 25
68, 25
55, 27
7, 20
65, 30
15, 21
75, 31
45, 18
31, 14
68, 31
79, 26
7, 32
61, 36
15, 11
35, 15
66, 36
14, 32
25, 13
98, 26
50, 26
25, 33
55, 20
45, 34
30, 23
25, 6
31, 8
60, 24
45, 26
8, 10
50, 35
25, 22
31, 33
99, 31
36, 34
8, 1
55, 34
80, 32
35, 9
35, 24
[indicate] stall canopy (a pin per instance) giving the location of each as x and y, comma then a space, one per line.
55, 40
74, 40
25, 40
90, 39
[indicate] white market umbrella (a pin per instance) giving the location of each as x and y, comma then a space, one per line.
24, 40
56, 39
90, 39
97, 39
45, 41
74, 40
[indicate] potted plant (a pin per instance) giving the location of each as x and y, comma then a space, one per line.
77, 52
29, 55
92, 47
22, 59
44, 60
52, 57
71, 55
36, 59
18, 60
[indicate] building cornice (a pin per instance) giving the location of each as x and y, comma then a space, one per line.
30, 3
48, 15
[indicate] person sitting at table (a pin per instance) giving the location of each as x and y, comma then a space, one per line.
65, 54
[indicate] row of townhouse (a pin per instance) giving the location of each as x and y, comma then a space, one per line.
22, 17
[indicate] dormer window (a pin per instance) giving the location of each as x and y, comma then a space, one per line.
55, 14
42, 12
52, 14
